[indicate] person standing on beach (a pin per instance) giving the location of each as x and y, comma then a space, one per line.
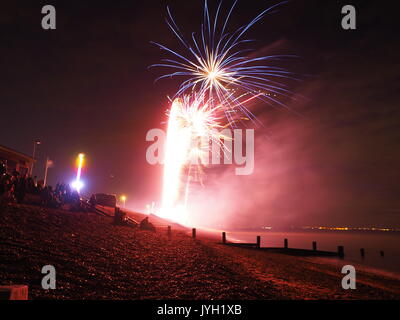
20, 189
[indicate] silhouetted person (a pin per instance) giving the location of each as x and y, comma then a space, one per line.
20, 189
3, 169
146, 225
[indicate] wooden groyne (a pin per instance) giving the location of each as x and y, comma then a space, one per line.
285, 249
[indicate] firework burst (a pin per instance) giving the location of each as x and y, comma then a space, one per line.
215, 64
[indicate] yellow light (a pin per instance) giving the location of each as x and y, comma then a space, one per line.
123, 198
79, 162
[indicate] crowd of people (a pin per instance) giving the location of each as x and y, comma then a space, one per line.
21, 188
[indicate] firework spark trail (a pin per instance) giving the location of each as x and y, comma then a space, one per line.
193, 123
77, 184
215, 65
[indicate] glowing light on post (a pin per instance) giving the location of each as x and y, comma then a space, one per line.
123, 200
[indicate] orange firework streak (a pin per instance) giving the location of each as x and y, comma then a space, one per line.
80, 165
77, 184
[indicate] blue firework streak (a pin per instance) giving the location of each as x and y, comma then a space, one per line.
215, 63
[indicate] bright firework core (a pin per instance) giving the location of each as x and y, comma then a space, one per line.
213, 75
77, 185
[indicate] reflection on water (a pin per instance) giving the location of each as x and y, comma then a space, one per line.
372, 242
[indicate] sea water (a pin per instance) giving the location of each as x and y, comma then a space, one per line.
371, 242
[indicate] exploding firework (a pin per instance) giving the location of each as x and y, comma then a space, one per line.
216, 64
220, 77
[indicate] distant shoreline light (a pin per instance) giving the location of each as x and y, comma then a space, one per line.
353, 229
343, 228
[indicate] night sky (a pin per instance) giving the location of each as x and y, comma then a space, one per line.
86, 87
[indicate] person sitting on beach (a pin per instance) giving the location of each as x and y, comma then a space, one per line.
119, 216
146, 225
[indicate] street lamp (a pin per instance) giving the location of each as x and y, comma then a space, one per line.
123, 199
37, 142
